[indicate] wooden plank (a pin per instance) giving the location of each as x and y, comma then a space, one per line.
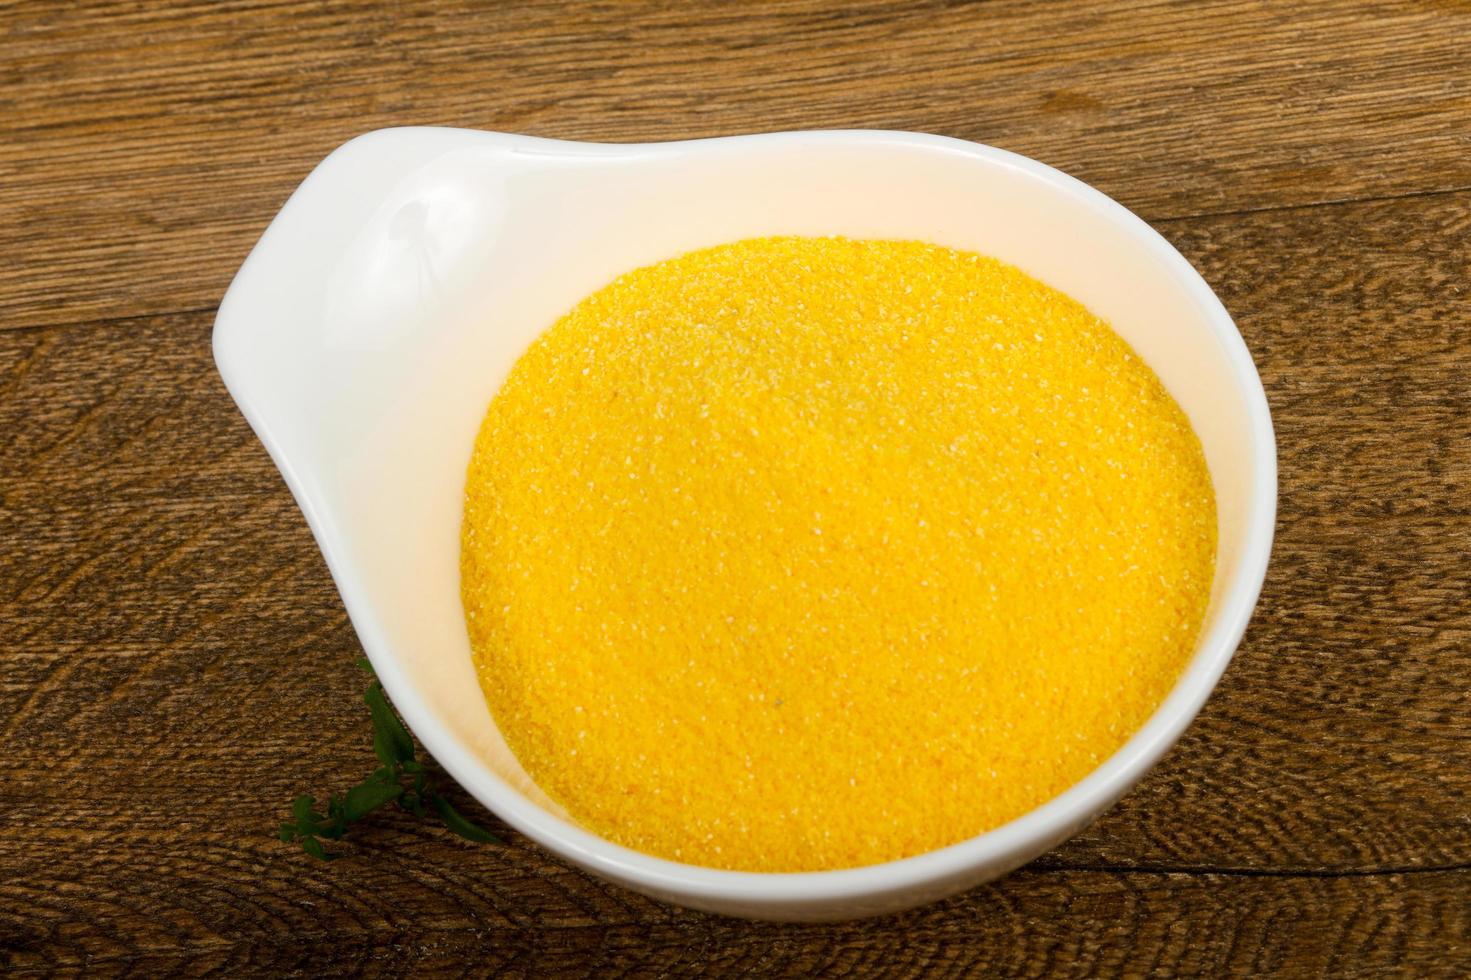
144, 146
437, 915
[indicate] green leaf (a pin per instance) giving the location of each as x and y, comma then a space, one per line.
364, 799
365, 665
287, 832
384, 748
310, 823
454, 821
386, 723
314, 847
334, 825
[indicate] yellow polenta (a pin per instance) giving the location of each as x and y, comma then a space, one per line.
809, 553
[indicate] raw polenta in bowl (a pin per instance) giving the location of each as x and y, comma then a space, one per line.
798, 554
797, 526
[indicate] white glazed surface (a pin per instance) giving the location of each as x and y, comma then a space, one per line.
371, 325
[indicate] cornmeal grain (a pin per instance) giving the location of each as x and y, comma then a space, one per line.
809, 553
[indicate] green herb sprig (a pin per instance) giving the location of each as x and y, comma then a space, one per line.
401, 779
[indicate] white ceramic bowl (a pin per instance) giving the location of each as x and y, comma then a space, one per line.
369, 328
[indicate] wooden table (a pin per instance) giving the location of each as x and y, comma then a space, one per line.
176, 664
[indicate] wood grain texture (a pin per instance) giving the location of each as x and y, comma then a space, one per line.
149, 143
175, 660
1041, 924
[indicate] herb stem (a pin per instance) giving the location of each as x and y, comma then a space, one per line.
401, 779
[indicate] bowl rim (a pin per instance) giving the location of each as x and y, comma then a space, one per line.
1023, 837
